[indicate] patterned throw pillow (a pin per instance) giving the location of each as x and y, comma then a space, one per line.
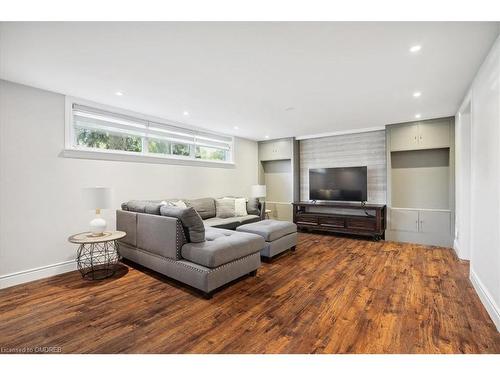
240, 207
225, 208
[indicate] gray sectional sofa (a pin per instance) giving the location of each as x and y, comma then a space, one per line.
206, 208
163, 243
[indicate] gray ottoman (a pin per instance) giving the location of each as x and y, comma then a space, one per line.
279, 235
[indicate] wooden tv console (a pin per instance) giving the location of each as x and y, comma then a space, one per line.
342, 217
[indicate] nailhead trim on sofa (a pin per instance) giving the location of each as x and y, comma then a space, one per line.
194, 268
179, 241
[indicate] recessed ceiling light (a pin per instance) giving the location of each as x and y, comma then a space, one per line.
417, 94
415, 48
235, 127
185, 113
418, 115
266, 137
119, 93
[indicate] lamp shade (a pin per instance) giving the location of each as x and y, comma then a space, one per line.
258, 191
97, 197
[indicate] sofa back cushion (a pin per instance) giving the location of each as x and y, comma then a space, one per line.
204, 206
190, 219
143, 206
175, 202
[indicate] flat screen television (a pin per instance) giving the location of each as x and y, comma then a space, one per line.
338, 184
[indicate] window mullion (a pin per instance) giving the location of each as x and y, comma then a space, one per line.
145, 140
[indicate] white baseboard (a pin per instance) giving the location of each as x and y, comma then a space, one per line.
486, 299
456, 247
22, 277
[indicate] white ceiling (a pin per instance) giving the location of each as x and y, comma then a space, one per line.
337, 75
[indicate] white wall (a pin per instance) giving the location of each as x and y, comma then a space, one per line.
463, 122
484, 183
40, 191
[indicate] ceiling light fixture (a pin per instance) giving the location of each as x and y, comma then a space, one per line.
235, 127
415, 48
119, 93
185, 113
417, 94
266, 137
418, 115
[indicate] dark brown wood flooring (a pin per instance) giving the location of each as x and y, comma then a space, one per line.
332, 295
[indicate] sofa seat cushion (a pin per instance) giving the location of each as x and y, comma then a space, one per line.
217, 222
222, 246
270, 230
248, 219
230, 222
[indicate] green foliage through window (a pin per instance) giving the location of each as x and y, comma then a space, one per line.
180, 149
156, 146
210, 153
107, 141
97, 129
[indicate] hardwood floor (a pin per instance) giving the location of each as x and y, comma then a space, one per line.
332, 295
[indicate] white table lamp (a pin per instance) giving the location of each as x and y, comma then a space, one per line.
259, 191
97, 198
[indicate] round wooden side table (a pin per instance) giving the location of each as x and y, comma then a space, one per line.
97, 256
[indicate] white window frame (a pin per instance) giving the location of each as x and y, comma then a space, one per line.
73, 151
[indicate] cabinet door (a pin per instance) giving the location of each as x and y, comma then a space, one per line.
404, 220
434, 134
404, 137
282, 149
435, 222
266, 150
275, 150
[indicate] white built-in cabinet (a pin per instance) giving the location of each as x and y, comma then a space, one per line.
279, 171
280, 149
429, 227
422, 221
420, 196
421, 135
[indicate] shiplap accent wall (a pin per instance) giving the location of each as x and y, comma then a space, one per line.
347, 150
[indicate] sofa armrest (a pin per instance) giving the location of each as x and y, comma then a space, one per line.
160, 235
127, 222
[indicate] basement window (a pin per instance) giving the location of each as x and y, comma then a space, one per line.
96, 130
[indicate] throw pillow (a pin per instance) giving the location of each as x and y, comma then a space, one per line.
190, 219
224, 208
253, 206
240, 207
